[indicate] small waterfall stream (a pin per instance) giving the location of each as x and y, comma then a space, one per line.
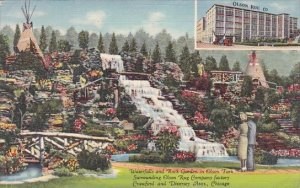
152, 104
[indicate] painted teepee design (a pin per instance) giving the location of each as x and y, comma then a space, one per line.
254, 70
27, 41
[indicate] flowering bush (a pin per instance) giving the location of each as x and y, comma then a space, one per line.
110, 112
286, 153
167, 141
183, 156
230, 140
110, 149
132, 147
201, 120
78, 124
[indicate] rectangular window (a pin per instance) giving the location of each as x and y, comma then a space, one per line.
229, 12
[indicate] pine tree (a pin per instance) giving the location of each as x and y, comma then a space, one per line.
101, 47
247, 87
132, 47
43, 39
4, 49
63, 46
170, 53
143, 50
53, 43
224, 65
156, 55
125, 47
236, 66
83, 39
113, 47
17, 35
184, 62
210, 64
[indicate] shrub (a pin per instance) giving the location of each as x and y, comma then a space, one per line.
184, 156
63, 171
93, 161
146, 158
269, 127
167, 142
138, 120
265, 158
94, 132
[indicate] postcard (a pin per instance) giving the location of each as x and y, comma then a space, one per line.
149, 93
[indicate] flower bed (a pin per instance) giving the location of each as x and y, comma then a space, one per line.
291, 153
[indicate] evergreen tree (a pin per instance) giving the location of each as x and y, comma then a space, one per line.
17, 35
274, 77
83, 39
4, 49
143, 50
63, 46
236, 66
101, 47
295, 74
132, 47
43, 39
53, 43
125, 47
156, 55
113, 47
210, 64
224, 65
170, 53
265, 69
247, 87
184, 62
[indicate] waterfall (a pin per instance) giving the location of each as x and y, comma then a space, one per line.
151, 103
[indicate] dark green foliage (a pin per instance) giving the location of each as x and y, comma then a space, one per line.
265, 158
268, 127
147, 158
221, 116
170, 53
184, 62
93, 161
62, 172
132, 47
224, 65
167, 143
113, 47
295, 74
125, 47
156, 55
210, 64
63, 46
53, 43
83, 39
295, 115
143, 50
138, 120
17, 35
43, 40
247, 87
4, 49
236, 66
101, 47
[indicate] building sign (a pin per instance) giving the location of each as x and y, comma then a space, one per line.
252, 7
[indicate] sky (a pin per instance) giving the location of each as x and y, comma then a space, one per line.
291, 7
120, 16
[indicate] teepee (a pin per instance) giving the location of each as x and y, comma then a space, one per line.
27, 41
254, 70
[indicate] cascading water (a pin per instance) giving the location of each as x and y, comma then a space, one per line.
150, 102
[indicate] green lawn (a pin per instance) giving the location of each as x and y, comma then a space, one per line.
125, 179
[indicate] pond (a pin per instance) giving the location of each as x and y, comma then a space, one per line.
32, 171
281, 161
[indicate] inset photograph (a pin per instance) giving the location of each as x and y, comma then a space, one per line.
247, 25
